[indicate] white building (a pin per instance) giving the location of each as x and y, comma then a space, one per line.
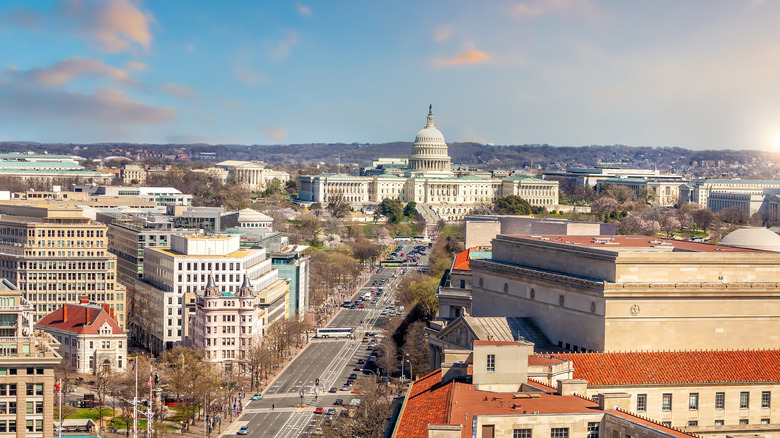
253, 175
429, 180
226, 324
170, 273
91, 341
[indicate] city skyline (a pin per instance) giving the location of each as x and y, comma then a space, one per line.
564, 72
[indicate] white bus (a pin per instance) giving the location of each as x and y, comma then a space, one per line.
329, 332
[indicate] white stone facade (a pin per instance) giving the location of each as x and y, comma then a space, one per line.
430, 181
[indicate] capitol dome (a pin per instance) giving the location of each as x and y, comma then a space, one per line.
429, 153
758, 238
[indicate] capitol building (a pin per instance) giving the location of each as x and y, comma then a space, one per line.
428, 180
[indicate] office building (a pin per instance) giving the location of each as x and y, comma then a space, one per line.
170, 273
57, 256
27, 361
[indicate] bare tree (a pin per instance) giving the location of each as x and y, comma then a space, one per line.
369, 419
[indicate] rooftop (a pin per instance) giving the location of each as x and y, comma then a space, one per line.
431, 401
79, 319
675, 367
629, 243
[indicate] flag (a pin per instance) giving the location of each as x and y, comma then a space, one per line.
150, 379
134, 362
57, 387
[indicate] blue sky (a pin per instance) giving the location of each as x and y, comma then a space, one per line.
697, 74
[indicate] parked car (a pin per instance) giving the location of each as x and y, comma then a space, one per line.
353, 376
361, 361
345, 388
331, 411
243, 431
318, 410
332, 389
339, 402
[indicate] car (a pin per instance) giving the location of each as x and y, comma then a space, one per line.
318, 410
257, 397
318, 431
355, 402
339, 402
331, 411
361, 361
356, 390
350, 381
243, 430
365, 340
332, 389
369, 347
384, 312
361, 306
357, 368
345, 388
353, 376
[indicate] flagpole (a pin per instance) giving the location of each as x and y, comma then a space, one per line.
135, 401
60, 409
150, 410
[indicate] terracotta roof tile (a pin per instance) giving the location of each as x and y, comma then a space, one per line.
676, 367
462, 261
78, 322
427, 402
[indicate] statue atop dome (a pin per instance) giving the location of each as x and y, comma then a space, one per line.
430, 109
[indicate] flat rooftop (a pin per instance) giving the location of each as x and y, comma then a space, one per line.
633, 243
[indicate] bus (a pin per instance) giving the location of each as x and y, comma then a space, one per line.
329, 332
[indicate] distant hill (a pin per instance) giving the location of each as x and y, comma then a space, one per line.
540, 157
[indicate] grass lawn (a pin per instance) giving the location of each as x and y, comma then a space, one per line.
92, 414
179, 413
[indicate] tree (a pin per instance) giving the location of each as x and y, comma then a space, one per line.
370, 417
620, 193
364, 250
512, 204
416, 351
189, 375
392, 209
733, 215
703, 218
604, 204
411, 209
273, 187
338, 206
291, 187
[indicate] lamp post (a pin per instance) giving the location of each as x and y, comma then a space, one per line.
411, 370
376, 376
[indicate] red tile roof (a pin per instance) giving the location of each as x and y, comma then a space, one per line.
615, 243
676, 367
462, 261
542, 361
498, 343
83, 320
427, 402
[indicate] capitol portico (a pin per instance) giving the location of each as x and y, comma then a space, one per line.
428, 180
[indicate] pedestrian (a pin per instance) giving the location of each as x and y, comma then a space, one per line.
272, 406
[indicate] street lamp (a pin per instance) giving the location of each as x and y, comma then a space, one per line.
376, 376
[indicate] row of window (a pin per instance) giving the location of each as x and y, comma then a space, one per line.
67, 233
742, 422
9, 389
70, 266
15, 371
693, 401
208, 267
555, 432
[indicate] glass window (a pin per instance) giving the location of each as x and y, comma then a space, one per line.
615, 434
693, 423
521, 433
743, 421
11, 425
666, 423
766, 399
559, 432
693, 401
744, 400
765, 421
720, 400
719, 422
593, 430
641, 402
666, 403
491, 363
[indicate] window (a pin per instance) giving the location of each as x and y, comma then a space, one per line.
491, 363
720, 400
641, 402
765, 421
693, 423
615, 434
693, 401
766, 399
743, 421
719, 422
593, 430
521, 433
666, 403
744, 400
559, 432
666, 423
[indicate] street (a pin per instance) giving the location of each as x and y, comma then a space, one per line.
330, 360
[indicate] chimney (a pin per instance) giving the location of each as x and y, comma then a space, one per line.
105, 307
87, 313
572, 387
614, 401
64, 312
